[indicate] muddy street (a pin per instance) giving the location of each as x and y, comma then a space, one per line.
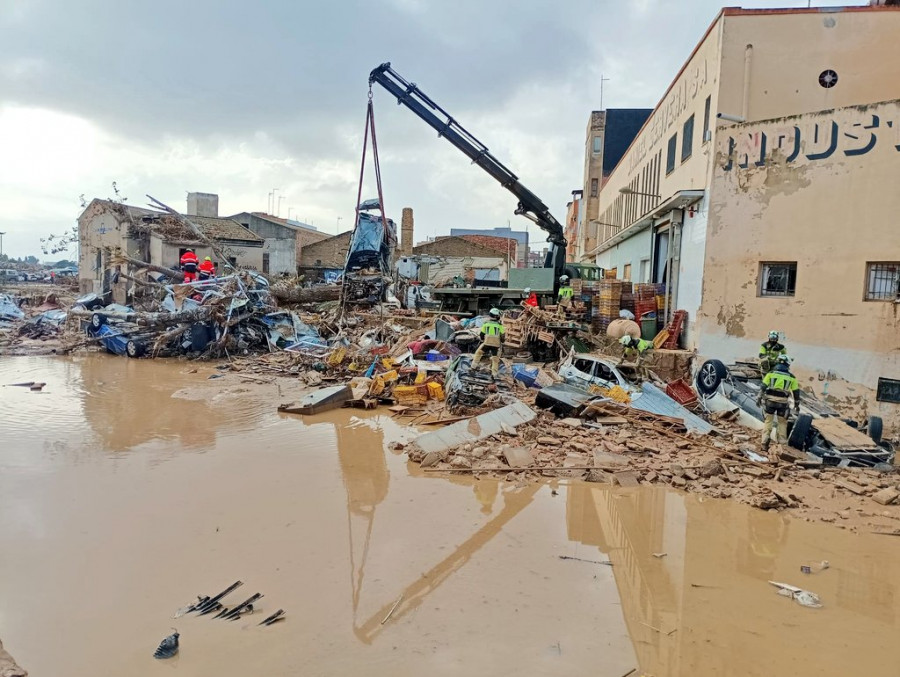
128, 487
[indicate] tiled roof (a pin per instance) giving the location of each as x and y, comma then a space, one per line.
224, 229
503, 245
297, 225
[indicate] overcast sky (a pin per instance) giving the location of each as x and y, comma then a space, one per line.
237, 98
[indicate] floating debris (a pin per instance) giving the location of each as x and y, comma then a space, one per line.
168, 647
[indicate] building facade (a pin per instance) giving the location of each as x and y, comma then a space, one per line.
284, 239
520, 236
722, 194
107, 229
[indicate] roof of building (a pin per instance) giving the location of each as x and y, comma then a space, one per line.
503, 245
294, 225
219, 228
327, 240
169, 228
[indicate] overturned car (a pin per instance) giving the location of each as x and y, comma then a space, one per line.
819, 429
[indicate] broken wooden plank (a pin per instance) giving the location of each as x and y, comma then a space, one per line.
843, 437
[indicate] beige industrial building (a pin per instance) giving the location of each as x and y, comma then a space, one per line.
762, 191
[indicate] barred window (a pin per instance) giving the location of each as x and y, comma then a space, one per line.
883, 281
777, 279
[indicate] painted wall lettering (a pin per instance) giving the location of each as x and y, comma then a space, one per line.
815, 139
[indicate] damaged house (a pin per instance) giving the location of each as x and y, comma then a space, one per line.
107, 228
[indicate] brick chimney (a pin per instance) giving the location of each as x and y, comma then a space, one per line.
203, 204
406, 232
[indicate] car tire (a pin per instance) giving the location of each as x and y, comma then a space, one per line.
875, 428
135, 348
799, 434
98, 320
710, 376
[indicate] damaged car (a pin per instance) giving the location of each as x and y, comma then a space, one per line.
819, 429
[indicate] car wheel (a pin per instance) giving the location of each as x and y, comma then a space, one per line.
710, 376
135, 348
98, 320
875, 428
799, 434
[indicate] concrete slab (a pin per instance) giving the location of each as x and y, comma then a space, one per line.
518, 457
319, 401
477, 428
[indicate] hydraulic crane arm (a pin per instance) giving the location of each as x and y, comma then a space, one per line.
530, 205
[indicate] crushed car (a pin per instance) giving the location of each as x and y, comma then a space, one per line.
819, 429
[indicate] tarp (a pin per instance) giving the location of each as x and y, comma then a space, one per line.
9, 310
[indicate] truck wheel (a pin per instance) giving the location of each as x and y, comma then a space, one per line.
710, 376
799, 434
875, 428
98, 320
135, 348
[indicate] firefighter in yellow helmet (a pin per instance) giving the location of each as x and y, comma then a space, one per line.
492, 337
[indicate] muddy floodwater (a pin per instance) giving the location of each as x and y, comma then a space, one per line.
128, 487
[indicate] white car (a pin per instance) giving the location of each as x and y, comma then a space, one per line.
585, 370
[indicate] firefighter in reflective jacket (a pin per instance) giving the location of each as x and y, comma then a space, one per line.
635, 349
564, 295
779, 387
492, 338
769, 352
207, 269
189, 263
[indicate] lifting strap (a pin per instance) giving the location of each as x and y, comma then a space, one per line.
370, 129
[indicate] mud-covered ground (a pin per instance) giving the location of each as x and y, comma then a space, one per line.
128, 487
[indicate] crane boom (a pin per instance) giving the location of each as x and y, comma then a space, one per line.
530, 205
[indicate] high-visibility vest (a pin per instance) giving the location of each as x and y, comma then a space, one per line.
566, 292
771, 352
780, 385
492, 332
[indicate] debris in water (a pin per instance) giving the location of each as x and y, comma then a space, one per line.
168, 647
274, 618
393, 608
801, 596
589, 561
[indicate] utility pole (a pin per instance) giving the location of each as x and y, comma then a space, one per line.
602, 80
272, 208
1, 243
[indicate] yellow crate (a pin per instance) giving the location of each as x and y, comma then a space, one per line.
337, 356
410, 395
435, 391
421, 376
389, 376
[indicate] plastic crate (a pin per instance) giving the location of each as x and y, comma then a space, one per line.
681, 392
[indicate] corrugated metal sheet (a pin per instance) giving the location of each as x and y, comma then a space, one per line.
476, 428
656, 401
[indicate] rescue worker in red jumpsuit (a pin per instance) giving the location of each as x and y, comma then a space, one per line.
207, 269
531, 298
189, 263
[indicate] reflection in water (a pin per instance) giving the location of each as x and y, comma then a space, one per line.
128, 404
693, 577
366, 479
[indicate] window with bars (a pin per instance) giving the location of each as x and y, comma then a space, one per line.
671, 153
883, 281
777, 279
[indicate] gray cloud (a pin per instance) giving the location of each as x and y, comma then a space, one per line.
286, 80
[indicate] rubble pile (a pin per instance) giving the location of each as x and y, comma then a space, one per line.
618, 445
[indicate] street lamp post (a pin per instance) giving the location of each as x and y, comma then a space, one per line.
1, 243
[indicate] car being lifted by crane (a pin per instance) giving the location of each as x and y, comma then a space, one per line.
530, 205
